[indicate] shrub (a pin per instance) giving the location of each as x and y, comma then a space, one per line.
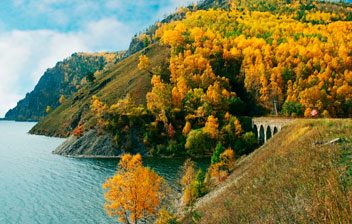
216, 155
308, 112
165, 217
197, 142
174, 148
290, 108
78, 131
198, 186
250, 142
326, 114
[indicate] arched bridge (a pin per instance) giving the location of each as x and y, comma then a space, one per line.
266, 127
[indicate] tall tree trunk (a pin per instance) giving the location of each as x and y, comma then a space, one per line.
275, 108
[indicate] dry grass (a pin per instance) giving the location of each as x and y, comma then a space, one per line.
288, 180
110, 86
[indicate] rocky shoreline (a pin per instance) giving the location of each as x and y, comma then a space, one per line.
89, 145
93, 146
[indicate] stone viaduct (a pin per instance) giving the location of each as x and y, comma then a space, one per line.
266, 127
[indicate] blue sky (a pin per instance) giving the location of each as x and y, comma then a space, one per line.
35, 34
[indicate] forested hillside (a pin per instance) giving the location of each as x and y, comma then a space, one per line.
296, 9
60, 82
281, 61
247, 58
115, 83
225, 64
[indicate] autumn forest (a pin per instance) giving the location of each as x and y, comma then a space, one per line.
255, 58
188, 88
228, 64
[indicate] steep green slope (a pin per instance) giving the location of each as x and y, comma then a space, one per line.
288, 180
64, 79
111, 85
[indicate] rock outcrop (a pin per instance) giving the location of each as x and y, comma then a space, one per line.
91, 145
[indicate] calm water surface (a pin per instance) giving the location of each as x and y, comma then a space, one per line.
39, 187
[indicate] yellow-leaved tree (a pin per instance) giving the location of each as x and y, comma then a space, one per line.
188, 173
211, 127
100, 109
62, 99
135, 193
144, 63
48, 109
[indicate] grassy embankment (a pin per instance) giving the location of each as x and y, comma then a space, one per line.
288, 180
109, 87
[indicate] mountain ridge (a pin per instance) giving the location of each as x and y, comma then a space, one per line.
64, 79
121, 79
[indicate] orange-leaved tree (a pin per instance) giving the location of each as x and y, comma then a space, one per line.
135, 193
222, 168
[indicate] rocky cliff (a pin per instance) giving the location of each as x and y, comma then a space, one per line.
66, 78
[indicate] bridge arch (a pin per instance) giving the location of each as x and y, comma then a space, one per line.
275, 130
261, 139
266, 127
256, 131
268, 133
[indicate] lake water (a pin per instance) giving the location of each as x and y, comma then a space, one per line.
39, 187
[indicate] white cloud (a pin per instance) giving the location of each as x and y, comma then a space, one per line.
106, 35
25, 55
10, 50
